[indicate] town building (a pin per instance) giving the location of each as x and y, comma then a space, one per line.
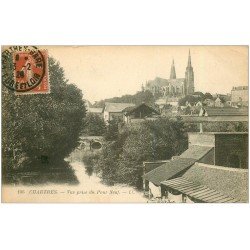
218, 103
239, 96
173, 86
220, 160
113, 111
139, 113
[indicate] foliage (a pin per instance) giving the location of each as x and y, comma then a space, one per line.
138, 98
208, 96
36, 126
121, 159
111, 133
189, 98
94, 125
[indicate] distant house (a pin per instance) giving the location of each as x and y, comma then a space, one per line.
139, 112
239, 96
96, 111
113, 111
221, 163
218, 102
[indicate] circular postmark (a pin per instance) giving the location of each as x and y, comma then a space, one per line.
23, 68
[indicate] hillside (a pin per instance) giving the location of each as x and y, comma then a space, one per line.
139, 97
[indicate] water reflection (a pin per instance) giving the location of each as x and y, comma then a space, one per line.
85, 185
58, 173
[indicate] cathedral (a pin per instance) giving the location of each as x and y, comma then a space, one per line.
173, 86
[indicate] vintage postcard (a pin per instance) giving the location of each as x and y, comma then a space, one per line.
131, 124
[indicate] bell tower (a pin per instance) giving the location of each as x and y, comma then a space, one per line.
189, 77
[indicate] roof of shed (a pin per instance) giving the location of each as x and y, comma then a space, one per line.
168, 170
130, 110
197, 191
232, 182
195, 152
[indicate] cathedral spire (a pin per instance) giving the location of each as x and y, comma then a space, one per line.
172, 73
189, 77
189, 60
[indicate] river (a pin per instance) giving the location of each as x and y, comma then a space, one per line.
89, 189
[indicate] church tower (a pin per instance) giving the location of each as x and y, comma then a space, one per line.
189, 77
172, 73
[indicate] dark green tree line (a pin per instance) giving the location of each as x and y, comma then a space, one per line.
41, 125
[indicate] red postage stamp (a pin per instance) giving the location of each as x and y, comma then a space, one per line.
29, 67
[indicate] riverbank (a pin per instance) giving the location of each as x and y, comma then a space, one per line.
90, 189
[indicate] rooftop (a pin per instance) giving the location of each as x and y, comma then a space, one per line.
232, 182
226, 111
132, 109
196, 152
168, 170
152, 165
117, 107
240, 88
199, 192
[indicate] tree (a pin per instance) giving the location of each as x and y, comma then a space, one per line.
36, 126
208, 96
94, 125
141, 96
153, 140
112, 130
189, 98
121, 160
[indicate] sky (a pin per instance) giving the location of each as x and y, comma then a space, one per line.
108, 71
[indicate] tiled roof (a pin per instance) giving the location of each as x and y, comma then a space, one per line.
168, 170
227, 111
130, 110
195, 152
229, 181
152, 165
197, 191
117, 107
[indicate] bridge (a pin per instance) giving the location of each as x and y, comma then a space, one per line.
91, 142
